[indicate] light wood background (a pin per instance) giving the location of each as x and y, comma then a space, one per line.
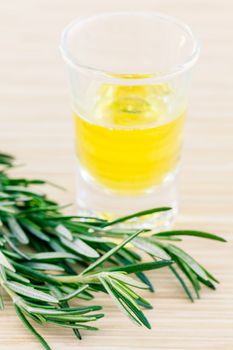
36, 126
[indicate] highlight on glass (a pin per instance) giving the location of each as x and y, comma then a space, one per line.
129, 74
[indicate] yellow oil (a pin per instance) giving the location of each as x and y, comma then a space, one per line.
131, 142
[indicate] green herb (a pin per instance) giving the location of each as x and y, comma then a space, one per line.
48, 259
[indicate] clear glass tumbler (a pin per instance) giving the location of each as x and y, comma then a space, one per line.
129, 74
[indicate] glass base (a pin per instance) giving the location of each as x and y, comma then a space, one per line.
93, 200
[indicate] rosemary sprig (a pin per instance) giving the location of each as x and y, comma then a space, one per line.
48, 259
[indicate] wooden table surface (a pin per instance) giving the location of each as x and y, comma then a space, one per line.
36, 126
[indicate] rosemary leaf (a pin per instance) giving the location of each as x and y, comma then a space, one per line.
17, 230
32, 329
136, 215
182, 282
194, 233
30, 292
111, 252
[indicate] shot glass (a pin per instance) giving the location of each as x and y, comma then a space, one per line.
129, 74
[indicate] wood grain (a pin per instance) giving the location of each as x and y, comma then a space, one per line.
35, 125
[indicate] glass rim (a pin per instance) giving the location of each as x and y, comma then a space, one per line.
112, 76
